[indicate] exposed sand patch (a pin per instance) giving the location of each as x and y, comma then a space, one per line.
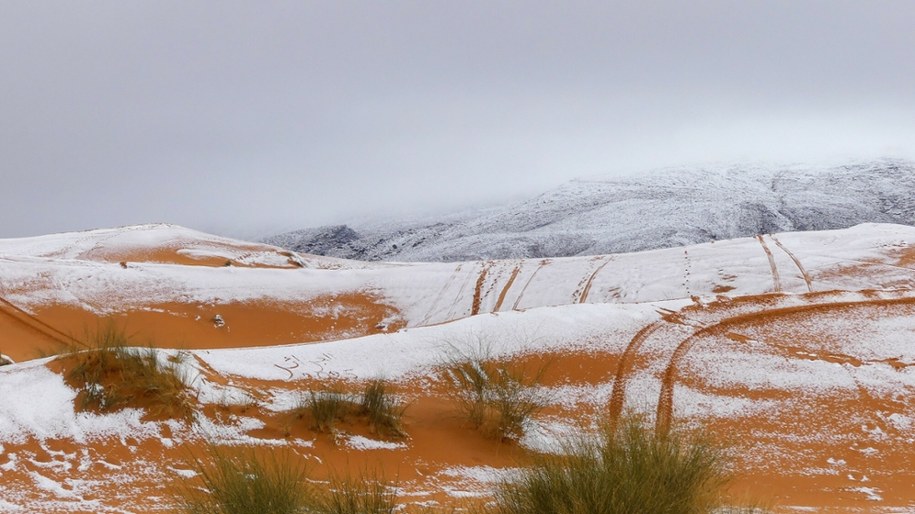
196, 326
812, 392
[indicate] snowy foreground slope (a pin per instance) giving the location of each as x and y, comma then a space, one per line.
670, 207
795, 347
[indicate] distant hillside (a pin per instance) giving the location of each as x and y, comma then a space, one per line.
670, 207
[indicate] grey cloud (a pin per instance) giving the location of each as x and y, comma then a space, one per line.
249, 116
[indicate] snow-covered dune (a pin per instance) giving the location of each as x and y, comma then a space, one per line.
37, 274
793, 347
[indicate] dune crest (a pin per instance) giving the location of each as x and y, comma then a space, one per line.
792, 348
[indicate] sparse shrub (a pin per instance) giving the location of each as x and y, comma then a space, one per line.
112, 375
242, 483
326, 408
471, 385
497, 397
250, 403
382, 409
516, 399
376, 403
365, 494
630, 470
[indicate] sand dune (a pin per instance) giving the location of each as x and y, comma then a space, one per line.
794, 349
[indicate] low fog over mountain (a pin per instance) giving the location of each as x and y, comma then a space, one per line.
670, 207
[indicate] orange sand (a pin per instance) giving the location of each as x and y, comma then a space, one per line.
775, 452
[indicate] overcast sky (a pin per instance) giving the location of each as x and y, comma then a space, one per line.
244, 117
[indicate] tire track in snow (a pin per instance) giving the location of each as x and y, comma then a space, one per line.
587, 289
441, 294
478, 290
666, 397
797, 262
624, 370
543, 263
457, 300
776, 279
508, 285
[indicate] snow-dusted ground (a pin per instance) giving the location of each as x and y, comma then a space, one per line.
413, 353
625, 293
125, 243
581, 305
439, 292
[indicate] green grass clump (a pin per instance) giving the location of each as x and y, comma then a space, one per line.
326, 408
245, 484
496, 397
365, 494
629, 470
111, 375
382, 409
375, 403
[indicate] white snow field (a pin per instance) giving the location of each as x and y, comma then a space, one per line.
751, 334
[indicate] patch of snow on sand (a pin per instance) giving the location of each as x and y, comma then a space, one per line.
572, 396
11, 463
900, 422
235, 434
476, 481
414, 351
6, 506
357, 442
872, 493
53, 417
46, 484
282, 400
481, 474
211, 393
691, 403
549, 436
769, 371
183, 473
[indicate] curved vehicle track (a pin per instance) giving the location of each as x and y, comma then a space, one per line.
508, 285
666, 396
776, 279
441, 293
587, 289
797, 262
624, 370
478, 289
530, 279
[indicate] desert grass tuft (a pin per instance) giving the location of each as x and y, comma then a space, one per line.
628, 470
326, 408
363, 494
112, 375
384, 412
497, 397
376, 403
243, 483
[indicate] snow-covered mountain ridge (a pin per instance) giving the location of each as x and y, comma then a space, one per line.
665, 208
